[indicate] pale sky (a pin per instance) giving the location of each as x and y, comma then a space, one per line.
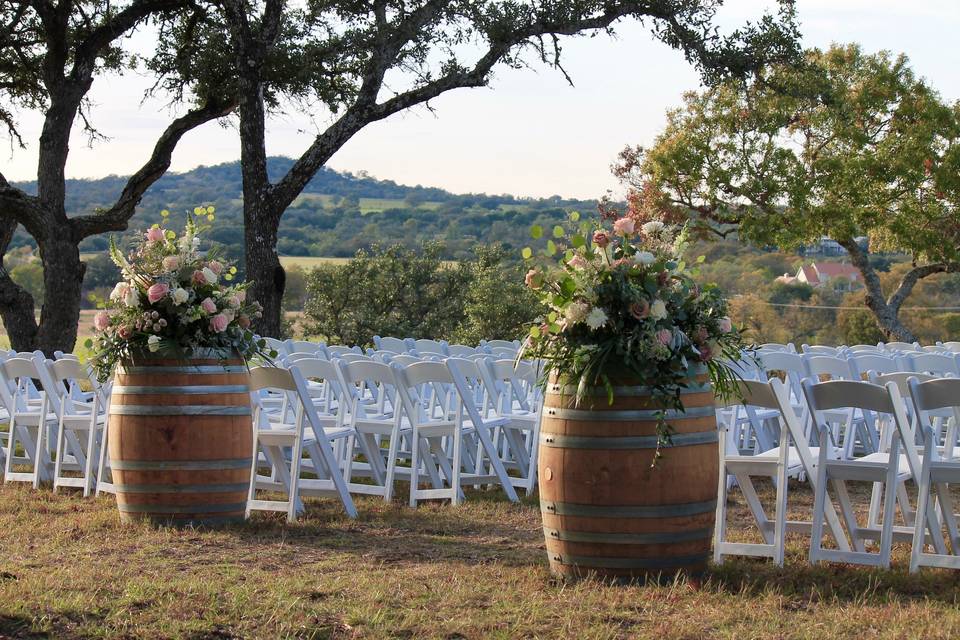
529, 134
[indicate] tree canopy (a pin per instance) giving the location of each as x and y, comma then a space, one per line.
847, 144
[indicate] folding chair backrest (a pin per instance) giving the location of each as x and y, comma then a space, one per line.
901, 379
361, 375
405, 359
461, 351
834, 366
424, 386
900, 346
397, 345
507, 379
866, 348
862, 361
355, 357
267, 378
336, 351
429, 346
468, 382
953, 346
820, 350
68, 375
302, 346
845, 394
501, 344
935, 363
294, 358
19, 372
276, 345
776, 347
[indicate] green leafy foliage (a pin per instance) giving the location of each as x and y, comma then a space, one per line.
396, 291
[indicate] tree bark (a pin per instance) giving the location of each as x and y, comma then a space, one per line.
16, 303
886, 312
62, 283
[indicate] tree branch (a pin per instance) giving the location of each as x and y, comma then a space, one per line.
905, 288
116, 217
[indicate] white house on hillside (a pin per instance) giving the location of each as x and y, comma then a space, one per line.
839, 275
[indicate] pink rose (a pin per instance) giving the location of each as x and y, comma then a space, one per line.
157, 292
198, 277
640, 310
208, 305
624, 226
219, 323
155, 235
125, 332
244, 322
101, 321
577, 262
601, 238
725, 324
171, 263
664, 336
233, 302
215, 266
532, 279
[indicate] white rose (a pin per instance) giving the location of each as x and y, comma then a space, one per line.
658, 310
180, 295
596, 318
652, 228
644, 257
576, 312
131, 297
153, 343
209, 276
119, 291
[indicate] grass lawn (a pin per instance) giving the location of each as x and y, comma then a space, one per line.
69, 569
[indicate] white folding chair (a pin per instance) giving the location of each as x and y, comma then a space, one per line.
79, 425
29, 421
790, 458
889, 468
501, 344
900, 346
820, 350
851, 426
939, 469
277, 439
776, 347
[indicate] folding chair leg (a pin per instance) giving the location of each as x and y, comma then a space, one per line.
455, 478
414, 466
58, 456
88, 463
923, 505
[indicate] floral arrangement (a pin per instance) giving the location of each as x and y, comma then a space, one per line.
174, 300
622, 305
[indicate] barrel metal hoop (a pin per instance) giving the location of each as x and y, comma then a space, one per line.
624, 392
628, 415
192, 389
626, 442
629, 563
658, 537
628, 511
191, 508
197, 368
180, 465
178, 410
182, 488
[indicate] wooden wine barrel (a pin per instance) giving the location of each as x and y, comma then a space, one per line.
181, 440
605, 511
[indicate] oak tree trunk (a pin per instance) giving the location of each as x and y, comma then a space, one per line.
62, 283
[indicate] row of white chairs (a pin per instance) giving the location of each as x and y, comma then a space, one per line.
397, 346
319, 425
770, 434
456, 422
881, 347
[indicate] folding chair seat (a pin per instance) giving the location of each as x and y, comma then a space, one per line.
283, 445
790, 457
939, 469
890, 468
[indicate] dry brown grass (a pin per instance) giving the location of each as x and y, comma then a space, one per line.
69, 569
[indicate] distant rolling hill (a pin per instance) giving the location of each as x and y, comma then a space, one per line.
337, 214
